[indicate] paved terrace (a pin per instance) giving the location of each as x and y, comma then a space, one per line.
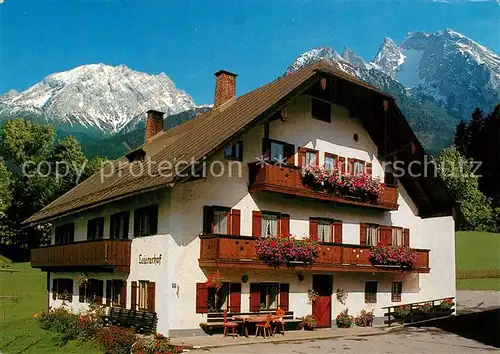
217, 340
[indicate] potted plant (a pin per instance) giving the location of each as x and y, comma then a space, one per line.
445, 308
215, 281
309, 322
343, 319
422, 312
312, 295
364, 319
401, 312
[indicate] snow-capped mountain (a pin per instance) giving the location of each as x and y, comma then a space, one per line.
96, 99
437, 78
445, 67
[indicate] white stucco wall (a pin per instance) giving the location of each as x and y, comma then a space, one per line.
181, 221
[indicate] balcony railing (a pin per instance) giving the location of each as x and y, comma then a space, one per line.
288, 180
88, 254
239, 252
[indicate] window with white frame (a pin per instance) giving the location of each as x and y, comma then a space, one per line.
329, 162
372, 232
269, 224
311, 158
220, 221
325, 230
359, 167
397, 236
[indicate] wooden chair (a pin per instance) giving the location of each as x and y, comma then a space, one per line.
266, 327
280, 313
232, 325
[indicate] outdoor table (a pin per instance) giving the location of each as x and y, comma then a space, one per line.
247, 319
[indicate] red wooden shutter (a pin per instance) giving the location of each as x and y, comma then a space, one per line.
151, 296
285, 224
208, 220
254, 297
369, 168
341, 162
81, 293
302, 156
123, 295
386, 235
133, 296
235, 222
313, 229
235, 297
362, 234
54, 289
256, 223
338, 231
284, 291
406, 237
201, 298
108, 292
350, 166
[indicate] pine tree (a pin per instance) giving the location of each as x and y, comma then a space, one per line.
474, 135
460, 140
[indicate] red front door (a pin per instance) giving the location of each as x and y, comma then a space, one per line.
322, 307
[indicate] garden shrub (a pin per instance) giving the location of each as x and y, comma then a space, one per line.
116, 340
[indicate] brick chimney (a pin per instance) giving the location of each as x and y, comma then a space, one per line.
154, 123
225, 87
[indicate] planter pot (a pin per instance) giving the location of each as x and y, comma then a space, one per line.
307, 328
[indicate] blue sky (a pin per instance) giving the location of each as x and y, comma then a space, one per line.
189, 41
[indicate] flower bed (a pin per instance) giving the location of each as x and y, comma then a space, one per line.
331, 181
401, 256
286, 251
90, 327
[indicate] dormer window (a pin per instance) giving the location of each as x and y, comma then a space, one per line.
136, 155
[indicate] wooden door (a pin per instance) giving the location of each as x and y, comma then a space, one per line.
322, 307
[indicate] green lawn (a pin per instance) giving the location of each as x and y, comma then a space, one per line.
477, 260
19, 332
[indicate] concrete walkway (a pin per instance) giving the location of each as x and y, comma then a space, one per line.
217, 340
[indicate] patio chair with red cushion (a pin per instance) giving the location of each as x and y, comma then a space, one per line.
232, 325
265, 326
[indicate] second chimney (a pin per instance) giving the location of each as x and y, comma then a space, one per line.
225, 87
154, 123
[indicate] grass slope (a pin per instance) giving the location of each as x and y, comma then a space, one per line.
19, 332
477, 260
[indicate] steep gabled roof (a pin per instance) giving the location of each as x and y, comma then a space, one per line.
195, 139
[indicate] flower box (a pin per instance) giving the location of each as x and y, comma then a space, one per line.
287, 251
362, 187
393, 256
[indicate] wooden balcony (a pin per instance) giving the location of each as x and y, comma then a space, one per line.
104, 255
221, 251
288, 180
